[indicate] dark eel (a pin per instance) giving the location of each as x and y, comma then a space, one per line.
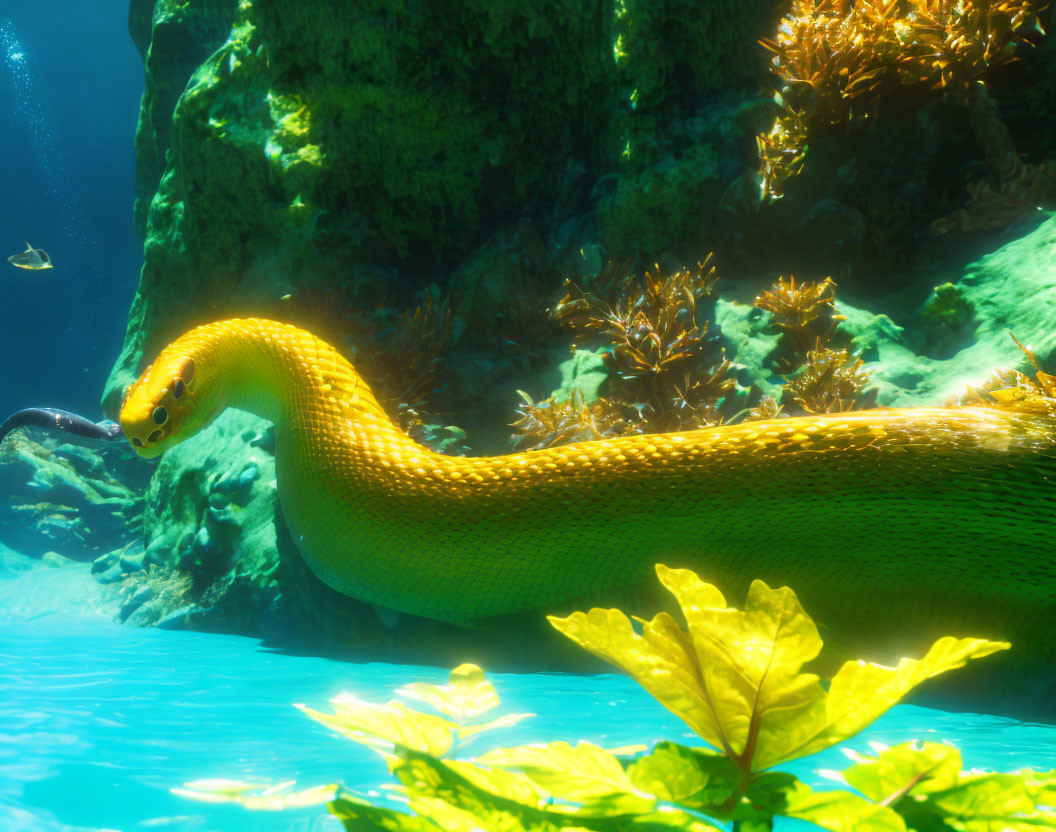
50, 417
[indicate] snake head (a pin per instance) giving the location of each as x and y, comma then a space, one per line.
162, 408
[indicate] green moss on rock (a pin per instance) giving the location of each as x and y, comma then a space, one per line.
321, 141
665, 204
1012, 290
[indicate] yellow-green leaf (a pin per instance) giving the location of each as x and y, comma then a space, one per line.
384, 727
690, 777
440, 792
840, 811
357, 816
581, 773
1041, 785
256, 795
924, 783
922, 768
734, 677
464, 732
859, 694
512, 785
467, 694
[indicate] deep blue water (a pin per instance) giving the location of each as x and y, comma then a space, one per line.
99, 721
70, 83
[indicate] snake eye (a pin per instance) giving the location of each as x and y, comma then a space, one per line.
160, 415
187, 371
177, 388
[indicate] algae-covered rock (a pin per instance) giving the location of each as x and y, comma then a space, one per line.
210, 518
173, 37
77, 500
1010, 291
320, 141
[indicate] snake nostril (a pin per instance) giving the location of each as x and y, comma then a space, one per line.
154, 437
137, 441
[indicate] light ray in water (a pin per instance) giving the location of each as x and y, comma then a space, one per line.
29, 110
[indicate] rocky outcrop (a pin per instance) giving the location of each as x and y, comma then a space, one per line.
78, 500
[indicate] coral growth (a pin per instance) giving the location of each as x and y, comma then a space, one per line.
835, 58
767, 408
818, 377
804, 313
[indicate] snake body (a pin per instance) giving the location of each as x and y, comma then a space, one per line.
926, 520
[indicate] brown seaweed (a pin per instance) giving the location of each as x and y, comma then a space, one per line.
663, 362
831, 381
550, 422
835, 57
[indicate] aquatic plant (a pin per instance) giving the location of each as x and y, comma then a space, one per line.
835, 58
806, 313
1013, 390
663, 362
736, 678
767, 408
550, 422
831, 381
819, 378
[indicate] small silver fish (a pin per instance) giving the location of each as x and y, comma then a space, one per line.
31, 258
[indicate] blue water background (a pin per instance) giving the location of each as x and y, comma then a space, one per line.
70, 84
98, 721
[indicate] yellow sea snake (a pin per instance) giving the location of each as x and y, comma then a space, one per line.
931, 520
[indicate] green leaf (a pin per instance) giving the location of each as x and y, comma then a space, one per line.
839, 811
734, 677
675, 774
384, 727
441, 791
359, 816
467, 694
922, 768
924, 783
583, 773
257, 795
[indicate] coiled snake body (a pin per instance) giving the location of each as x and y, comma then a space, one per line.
931, 519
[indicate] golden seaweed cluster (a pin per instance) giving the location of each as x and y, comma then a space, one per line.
736, 678
1015, 391
805, 313
667, 374
834, 57
551, 422
819, 377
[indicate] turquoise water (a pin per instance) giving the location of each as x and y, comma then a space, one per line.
99, 721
